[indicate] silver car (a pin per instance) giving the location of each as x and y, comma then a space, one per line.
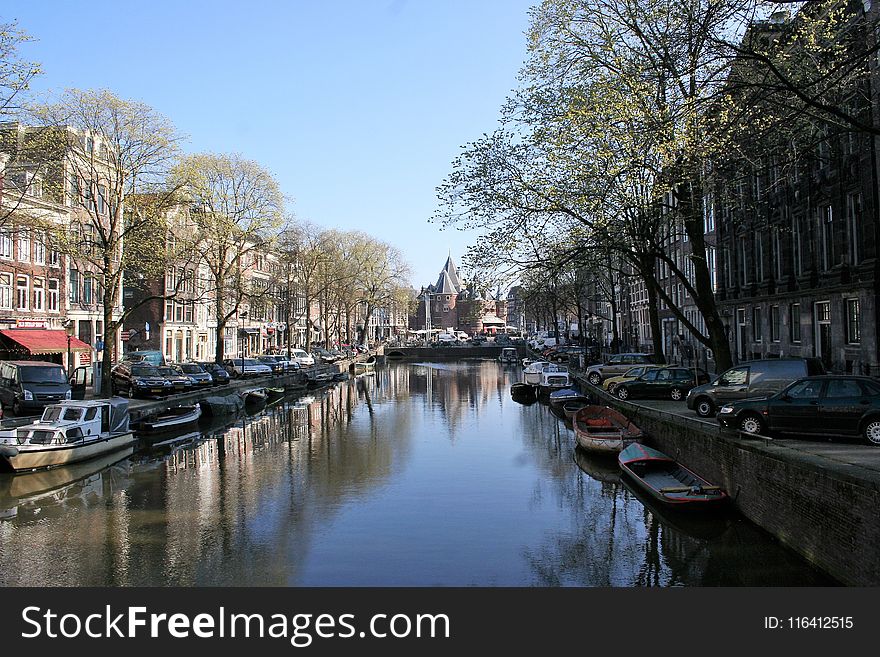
616, 365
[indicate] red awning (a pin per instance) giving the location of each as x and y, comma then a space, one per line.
45, 341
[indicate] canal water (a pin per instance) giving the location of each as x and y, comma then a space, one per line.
423, 474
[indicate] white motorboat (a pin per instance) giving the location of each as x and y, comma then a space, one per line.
67, 432
532, 373
553, 377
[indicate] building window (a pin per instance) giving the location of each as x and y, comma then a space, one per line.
776, 253
102, 199
826, 238
38, 294
853, 226
39, 252
54, 286
757, 332
24, 247
759, 257
709, 213
794, 322
712, 264
796, 250
87, 289
774, 323
74, 286
22, 290
5, 245
54, 257
853, 332
169, 310
743, 259
6, 291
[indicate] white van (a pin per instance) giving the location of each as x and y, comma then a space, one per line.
446, 337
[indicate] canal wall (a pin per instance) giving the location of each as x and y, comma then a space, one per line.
299, 378
827, 511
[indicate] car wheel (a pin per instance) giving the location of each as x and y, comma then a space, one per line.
751, 423
676, 394
131, 393
622, 393
871, 432
611, 388
595, 378
16, 408
705, 407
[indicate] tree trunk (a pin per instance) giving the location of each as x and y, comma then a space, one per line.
692, 212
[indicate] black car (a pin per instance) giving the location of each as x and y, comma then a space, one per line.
814, 405
139, 379
200, 377
661, 382
217, 372
179, 382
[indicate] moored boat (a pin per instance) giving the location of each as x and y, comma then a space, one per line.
603, 429
570, 408
254, 395
67, 432
532, 373
667, 481
560, 397
169, 420
553, 378
523, 393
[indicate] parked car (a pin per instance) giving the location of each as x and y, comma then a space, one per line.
615, 365
756, 378
661, 382
200, 377
27, 386
150, 356
240, 368
218, 373
179, 382
301, 357
274, 364
610, 383
325, 356
139, 379
564, 353
816, 405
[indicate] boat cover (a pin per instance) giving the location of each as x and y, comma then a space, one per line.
118, 414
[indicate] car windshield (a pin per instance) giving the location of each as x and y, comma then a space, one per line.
144, 370
43, 374
166, 371
250, 361
191, 368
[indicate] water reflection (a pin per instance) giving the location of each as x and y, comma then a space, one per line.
422, 474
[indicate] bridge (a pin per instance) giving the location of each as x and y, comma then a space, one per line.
448, 353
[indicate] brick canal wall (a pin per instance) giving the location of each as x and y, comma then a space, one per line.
825, 510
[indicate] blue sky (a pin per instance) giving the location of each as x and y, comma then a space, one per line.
357, 107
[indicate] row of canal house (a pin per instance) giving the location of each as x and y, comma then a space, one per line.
50, 304
792, 248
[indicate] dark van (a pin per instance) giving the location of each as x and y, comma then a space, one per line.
28, 386
755, 378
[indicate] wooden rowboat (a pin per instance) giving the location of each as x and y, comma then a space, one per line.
603, 429
170, 420
667, 481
